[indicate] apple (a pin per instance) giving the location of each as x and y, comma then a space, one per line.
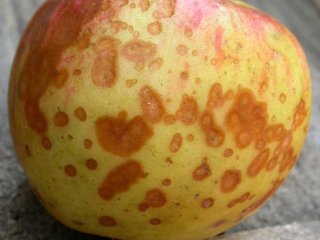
164, 120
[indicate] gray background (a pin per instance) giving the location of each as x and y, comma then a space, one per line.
22, 217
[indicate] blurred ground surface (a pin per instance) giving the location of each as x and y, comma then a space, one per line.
21, 216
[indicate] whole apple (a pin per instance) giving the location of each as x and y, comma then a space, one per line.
157, 119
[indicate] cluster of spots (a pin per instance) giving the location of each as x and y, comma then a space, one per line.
239, 200
247, 119
188, 111
256, 205
62, 22
122, 137
214, 134
120, 179
230, 180
139, 52
216, 98
203, 171
154, 198
175, 143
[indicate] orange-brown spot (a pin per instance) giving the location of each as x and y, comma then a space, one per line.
228, 152
166, 8
188, 32
138, 50
202, 172
70, 170
155, 28
120, 137
155, 221
241, 199
272, 163
166, 182
188, 111
184, 76
288, 160
169, 160
61, 119
247, 118
144, 5
107, 221
258, 163
216, 98
143, 207
182, 50
214, 134
87, 143
299, 115
61, 78
218, 223
105, 69
131, 82
91, 164
155, 198
156, 64
176, 143
207, 203
151, 104
190, 137
120, 179
80, 113
275, 132
230, 180
46, 143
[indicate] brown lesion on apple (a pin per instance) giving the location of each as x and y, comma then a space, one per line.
257, 204
105, 68
151, 104
244, 197
188, 113
120, 136
230, 180
154, 198
203, 171
166, 8
176, 143
55, 27
207, 203
107, 221
120, 179
144, 5
214, 134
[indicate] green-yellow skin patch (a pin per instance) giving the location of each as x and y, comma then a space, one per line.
168, 119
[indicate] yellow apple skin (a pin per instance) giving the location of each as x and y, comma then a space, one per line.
164, 120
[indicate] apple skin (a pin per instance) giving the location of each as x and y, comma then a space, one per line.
157, 119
